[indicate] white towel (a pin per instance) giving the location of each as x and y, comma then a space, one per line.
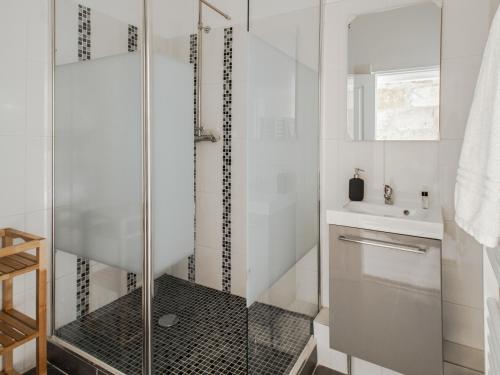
477, 192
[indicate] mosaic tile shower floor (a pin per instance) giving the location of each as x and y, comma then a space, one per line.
210, 338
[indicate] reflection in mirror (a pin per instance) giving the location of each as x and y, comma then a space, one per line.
393, 79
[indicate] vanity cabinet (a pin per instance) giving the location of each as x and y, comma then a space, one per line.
385, 299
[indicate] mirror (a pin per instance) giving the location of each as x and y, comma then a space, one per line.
393, 81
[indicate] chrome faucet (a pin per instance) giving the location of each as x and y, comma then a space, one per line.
388, 194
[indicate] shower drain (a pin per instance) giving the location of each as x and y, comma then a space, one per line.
168, 320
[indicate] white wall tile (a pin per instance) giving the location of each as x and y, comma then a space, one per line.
239, 114
65, 298
66, 264
106, 285
209, 167
410, 167
179, 270
67, 20
449, 154
238, 271
465, 27
209, 267
335, 113
209, 220
212, 106
238, 221
37, 99
13, 152
240, 55
463, 325
14, 221
37, 168
109, 35
38, 31
360, 367
12, 96
462, 268
458, 82
213, 56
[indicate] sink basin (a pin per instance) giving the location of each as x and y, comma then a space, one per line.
399, 219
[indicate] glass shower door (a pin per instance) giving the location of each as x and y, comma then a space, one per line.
282, 182
172, 162
98, 184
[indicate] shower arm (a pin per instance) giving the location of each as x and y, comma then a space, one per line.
199, 132
215, 9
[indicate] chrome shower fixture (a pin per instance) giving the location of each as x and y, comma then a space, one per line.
200, 134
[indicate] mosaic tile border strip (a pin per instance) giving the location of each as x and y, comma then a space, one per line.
83, 264
84, 33
82, 286
133, 36
227, 80
193, 59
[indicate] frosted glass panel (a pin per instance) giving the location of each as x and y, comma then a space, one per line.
282, 164
98, 145
172, 161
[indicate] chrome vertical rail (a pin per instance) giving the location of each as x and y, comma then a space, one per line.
147, 273
320, 117
198, 131
52, 23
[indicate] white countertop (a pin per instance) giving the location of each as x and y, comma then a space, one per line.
400, 219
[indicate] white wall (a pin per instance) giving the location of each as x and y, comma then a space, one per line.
409, 166
25, 136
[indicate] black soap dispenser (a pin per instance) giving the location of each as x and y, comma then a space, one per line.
356, 187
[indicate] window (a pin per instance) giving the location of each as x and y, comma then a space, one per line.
407, 105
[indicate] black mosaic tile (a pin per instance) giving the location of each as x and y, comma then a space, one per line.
226, 158
212, 336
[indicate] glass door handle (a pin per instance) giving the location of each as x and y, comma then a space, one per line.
385, 244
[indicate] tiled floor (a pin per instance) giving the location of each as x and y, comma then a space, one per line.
210, 338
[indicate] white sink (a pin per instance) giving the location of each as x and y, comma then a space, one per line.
400, 219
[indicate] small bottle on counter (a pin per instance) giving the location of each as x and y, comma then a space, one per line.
425, 200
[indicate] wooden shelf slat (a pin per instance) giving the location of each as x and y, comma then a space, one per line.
25, 319
19, 259
10, 275
8, 261
17, 264
15, 323
16, 328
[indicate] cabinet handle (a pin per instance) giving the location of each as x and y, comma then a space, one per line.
385, 244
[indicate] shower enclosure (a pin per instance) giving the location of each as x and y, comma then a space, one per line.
172, 255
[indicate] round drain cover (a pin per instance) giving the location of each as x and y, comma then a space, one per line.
168, 320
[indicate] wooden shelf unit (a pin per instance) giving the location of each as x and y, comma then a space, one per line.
17, 328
